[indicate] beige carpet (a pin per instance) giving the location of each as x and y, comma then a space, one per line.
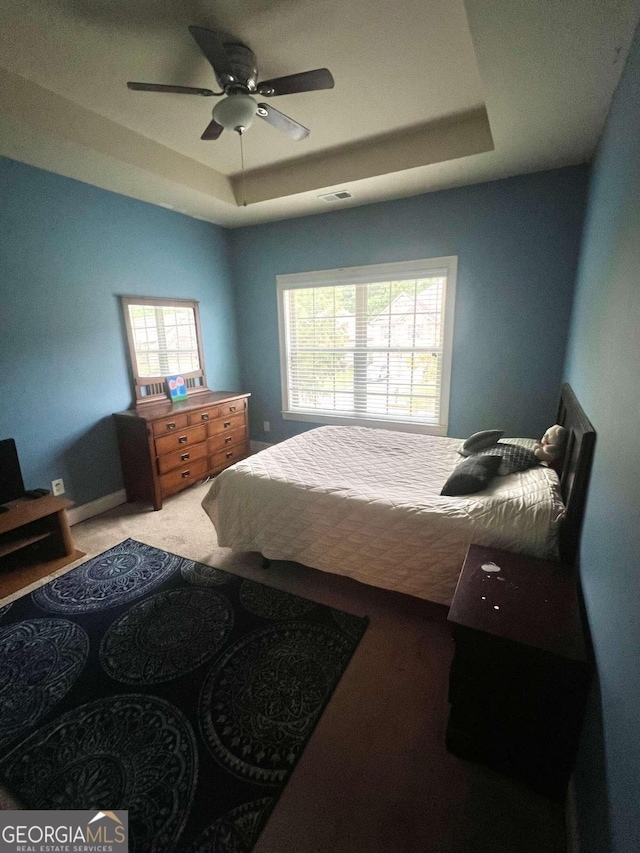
375, 776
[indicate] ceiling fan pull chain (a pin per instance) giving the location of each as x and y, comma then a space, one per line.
244, 195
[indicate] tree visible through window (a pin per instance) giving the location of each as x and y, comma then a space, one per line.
375, 350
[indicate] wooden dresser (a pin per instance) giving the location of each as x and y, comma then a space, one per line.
166, 447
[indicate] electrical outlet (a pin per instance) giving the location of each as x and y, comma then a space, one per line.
57, 487
266, 426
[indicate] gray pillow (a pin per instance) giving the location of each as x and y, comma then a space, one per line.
480, 440
513, 457
471, 475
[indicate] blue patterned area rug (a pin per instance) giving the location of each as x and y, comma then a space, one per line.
144, 681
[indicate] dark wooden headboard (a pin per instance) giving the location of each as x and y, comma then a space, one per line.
576, 470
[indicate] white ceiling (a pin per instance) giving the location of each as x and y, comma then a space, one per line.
429, 94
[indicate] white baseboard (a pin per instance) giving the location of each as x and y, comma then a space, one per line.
256, 446
571, 818
81, 513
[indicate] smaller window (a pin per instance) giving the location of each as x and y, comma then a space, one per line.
369, 345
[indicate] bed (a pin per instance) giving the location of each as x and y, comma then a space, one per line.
366, 503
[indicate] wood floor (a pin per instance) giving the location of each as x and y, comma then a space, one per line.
375, 776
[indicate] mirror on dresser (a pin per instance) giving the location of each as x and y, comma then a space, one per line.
165, 339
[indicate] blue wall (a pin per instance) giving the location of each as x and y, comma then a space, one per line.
66, 251
603, 366
517, 244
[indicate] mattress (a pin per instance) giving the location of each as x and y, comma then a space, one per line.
366, 503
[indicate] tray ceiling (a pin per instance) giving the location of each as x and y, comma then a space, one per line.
428, 95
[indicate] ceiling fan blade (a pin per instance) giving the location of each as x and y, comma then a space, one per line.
213, 130
176, 90
306, 81
214, 50
282, 122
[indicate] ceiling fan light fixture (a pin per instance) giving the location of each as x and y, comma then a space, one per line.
236, 70
235, 112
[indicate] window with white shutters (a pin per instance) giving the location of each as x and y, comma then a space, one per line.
369, 345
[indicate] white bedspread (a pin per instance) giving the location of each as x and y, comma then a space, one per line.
366, 503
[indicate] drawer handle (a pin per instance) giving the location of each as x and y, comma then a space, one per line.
182, 439
184, 457
205, 417
227, 440
232, 408
185, 474
171, 425
230, 454
227, 424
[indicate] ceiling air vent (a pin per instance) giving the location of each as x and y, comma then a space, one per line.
339, 196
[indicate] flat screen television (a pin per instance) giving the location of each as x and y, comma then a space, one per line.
11, 484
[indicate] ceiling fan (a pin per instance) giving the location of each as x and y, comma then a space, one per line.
236, 71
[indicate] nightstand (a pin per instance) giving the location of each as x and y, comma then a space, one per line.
520, 671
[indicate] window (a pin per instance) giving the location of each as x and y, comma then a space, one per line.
369, 345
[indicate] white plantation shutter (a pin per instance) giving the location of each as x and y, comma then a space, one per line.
369, 344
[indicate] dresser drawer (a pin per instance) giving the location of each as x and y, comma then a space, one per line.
166, 447
203, 416
183, 438
182, 477
172, 424
182, 458
224, 423
233, 408
227, 439
228, 457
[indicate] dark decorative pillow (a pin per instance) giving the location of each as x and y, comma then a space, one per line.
480, 440
471, 475
513, 457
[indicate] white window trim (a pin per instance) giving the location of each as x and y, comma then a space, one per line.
369, 275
